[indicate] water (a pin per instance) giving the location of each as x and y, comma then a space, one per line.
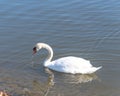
87, 29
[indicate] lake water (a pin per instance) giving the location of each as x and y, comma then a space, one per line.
89, 29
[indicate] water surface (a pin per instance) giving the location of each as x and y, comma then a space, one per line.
87, 29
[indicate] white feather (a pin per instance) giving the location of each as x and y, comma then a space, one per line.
68, 64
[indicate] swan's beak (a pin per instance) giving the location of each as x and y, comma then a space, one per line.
34, 50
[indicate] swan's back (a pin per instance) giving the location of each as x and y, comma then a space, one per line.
72, 65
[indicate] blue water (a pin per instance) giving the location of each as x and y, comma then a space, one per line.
87, 29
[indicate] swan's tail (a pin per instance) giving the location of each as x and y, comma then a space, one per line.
94, 69
97, 68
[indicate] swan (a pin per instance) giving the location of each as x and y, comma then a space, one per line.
69, 64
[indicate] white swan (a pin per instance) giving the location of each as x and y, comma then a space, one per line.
68, 64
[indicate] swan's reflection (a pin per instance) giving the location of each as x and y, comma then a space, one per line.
80, 78
70, 78
40, 88
44, 88
76, 79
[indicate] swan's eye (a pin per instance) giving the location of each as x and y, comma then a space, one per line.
34, 50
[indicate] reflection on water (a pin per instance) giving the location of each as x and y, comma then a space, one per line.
74, 79
31, 87
40, 89
70, 78
77, 79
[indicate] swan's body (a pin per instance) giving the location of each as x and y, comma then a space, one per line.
68, 64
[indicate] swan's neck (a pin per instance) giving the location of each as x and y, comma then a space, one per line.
50, 53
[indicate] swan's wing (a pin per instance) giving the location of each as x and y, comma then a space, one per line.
70, 65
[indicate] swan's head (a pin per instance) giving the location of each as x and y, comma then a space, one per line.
37, 48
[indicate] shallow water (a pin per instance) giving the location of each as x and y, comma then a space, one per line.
88, 29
